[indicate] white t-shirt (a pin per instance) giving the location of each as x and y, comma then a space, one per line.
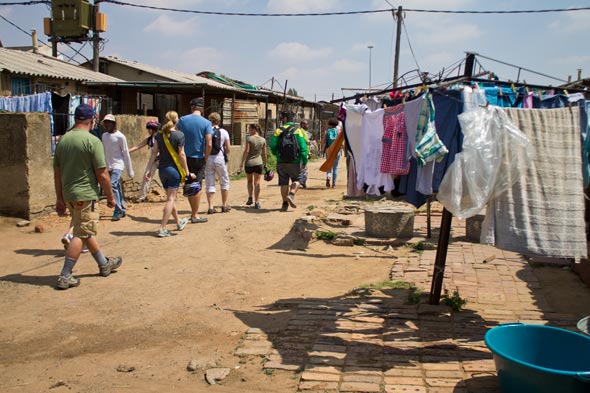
116, 152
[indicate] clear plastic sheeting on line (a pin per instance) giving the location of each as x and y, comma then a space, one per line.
494, 151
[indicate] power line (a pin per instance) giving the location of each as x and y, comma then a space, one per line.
314, 13
27, 2
410, 45
340, 13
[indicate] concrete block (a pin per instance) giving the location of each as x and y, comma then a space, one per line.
389, 221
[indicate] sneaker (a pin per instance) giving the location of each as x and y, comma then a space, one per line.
291, 200
285, 206
257, 205
211, 211
249, 202
225, 209
333, 185
113, 264
118, 215
180, 226
66, 240
328, 183
198, 220
163, 233
65, 282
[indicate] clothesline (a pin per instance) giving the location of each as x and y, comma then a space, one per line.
458, 79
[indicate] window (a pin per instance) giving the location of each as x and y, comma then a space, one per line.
21, 86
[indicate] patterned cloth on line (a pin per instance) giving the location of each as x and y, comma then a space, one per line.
395, 139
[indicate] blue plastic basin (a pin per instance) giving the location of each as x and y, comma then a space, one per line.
540, 359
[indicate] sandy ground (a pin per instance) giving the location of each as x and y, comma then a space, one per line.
192, 296
174, 299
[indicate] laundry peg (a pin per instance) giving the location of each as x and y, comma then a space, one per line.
513, 88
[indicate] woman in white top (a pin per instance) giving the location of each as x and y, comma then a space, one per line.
217, 165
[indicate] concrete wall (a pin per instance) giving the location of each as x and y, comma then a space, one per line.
26, 163
14, 165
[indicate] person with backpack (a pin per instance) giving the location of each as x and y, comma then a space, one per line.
330, 136
217, 164
289, 146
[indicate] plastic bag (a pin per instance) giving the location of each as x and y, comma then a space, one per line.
494, 151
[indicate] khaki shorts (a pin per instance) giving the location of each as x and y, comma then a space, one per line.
84, 218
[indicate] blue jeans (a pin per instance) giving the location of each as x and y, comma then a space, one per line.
333, 173
117, 186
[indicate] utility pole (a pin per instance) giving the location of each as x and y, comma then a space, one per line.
397, 16
370, 65
95, 38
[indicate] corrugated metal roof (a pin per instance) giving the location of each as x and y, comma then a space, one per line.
19, 62
170, 75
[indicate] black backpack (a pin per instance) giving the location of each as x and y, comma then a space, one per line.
288, 145
216, 141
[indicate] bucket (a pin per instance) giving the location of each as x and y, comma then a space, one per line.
540, 359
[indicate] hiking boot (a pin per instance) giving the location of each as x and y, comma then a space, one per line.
180, 226
291, 200
249, 202
163, 233
65, 282
285, 206
328, 183
113, 263
257, 205
66, 240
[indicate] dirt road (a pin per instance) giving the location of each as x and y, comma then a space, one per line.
173, 300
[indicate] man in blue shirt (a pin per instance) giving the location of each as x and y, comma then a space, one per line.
197, 145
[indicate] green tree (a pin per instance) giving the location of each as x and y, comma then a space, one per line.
292, 92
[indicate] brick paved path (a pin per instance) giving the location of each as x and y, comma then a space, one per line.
372, 341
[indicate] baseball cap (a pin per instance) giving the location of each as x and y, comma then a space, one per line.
109, 117
198, 101
84, 112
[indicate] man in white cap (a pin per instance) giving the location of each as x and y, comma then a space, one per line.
118, 159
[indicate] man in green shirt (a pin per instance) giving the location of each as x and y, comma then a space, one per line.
79, 168
289, 146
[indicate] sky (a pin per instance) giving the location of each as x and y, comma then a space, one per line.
319, 56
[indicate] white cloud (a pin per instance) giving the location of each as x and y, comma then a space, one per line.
298, 51
300, 6
571, 22
346, 65
574, 60
445, 34
361, 46
166, 25
6, 11
172, 3
196, 60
